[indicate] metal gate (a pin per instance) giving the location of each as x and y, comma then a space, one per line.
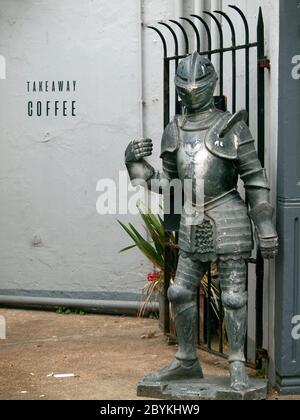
171, 58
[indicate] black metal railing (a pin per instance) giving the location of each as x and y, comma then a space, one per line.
207, 333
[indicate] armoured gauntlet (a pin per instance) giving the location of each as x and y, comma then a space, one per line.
138, 169
266, 234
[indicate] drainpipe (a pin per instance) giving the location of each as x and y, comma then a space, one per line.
141, 67
216, 5
199, 7
98, 306
178, 8
178, 12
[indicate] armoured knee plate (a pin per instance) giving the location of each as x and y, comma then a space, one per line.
234, 299
181, 299
233, 284
179, 294
234, 296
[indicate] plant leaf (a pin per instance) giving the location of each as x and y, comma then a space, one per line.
127, 249
156, 237
148, 249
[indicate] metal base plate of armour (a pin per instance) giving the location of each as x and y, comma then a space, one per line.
209, 388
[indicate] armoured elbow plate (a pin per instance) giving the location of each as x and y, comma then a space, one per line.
256, 178
139, 171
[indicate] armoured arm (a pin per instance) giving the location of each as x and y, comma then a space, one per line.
141, 172
257, 191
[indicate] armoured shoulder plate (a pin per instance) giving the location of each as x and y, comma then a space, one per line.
243, 133
170, 139
225, 137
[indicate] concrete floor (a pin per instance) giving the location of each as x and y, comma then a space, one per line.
108, 355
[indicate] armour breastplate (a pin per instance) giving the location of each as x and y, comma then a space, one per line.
208, 172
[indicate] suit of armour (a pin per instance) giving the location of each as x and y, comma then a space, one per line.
217, 148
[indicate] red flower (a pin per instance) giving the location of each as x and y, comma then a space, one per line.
152, 277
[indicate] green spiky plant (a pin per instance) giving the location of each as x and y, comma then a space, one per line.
153, 250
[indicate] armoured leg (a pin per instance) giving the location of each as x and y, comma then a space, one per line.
234, 297
182, 295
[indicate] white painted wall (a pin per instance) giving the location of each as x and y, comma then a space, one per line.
49, 167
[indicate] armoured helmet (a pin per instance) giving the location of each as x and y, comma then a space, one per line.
195, 81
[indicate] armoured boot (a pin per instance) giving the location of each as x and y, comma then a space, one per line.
186, 364
234, 298
182, 296
236, 321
